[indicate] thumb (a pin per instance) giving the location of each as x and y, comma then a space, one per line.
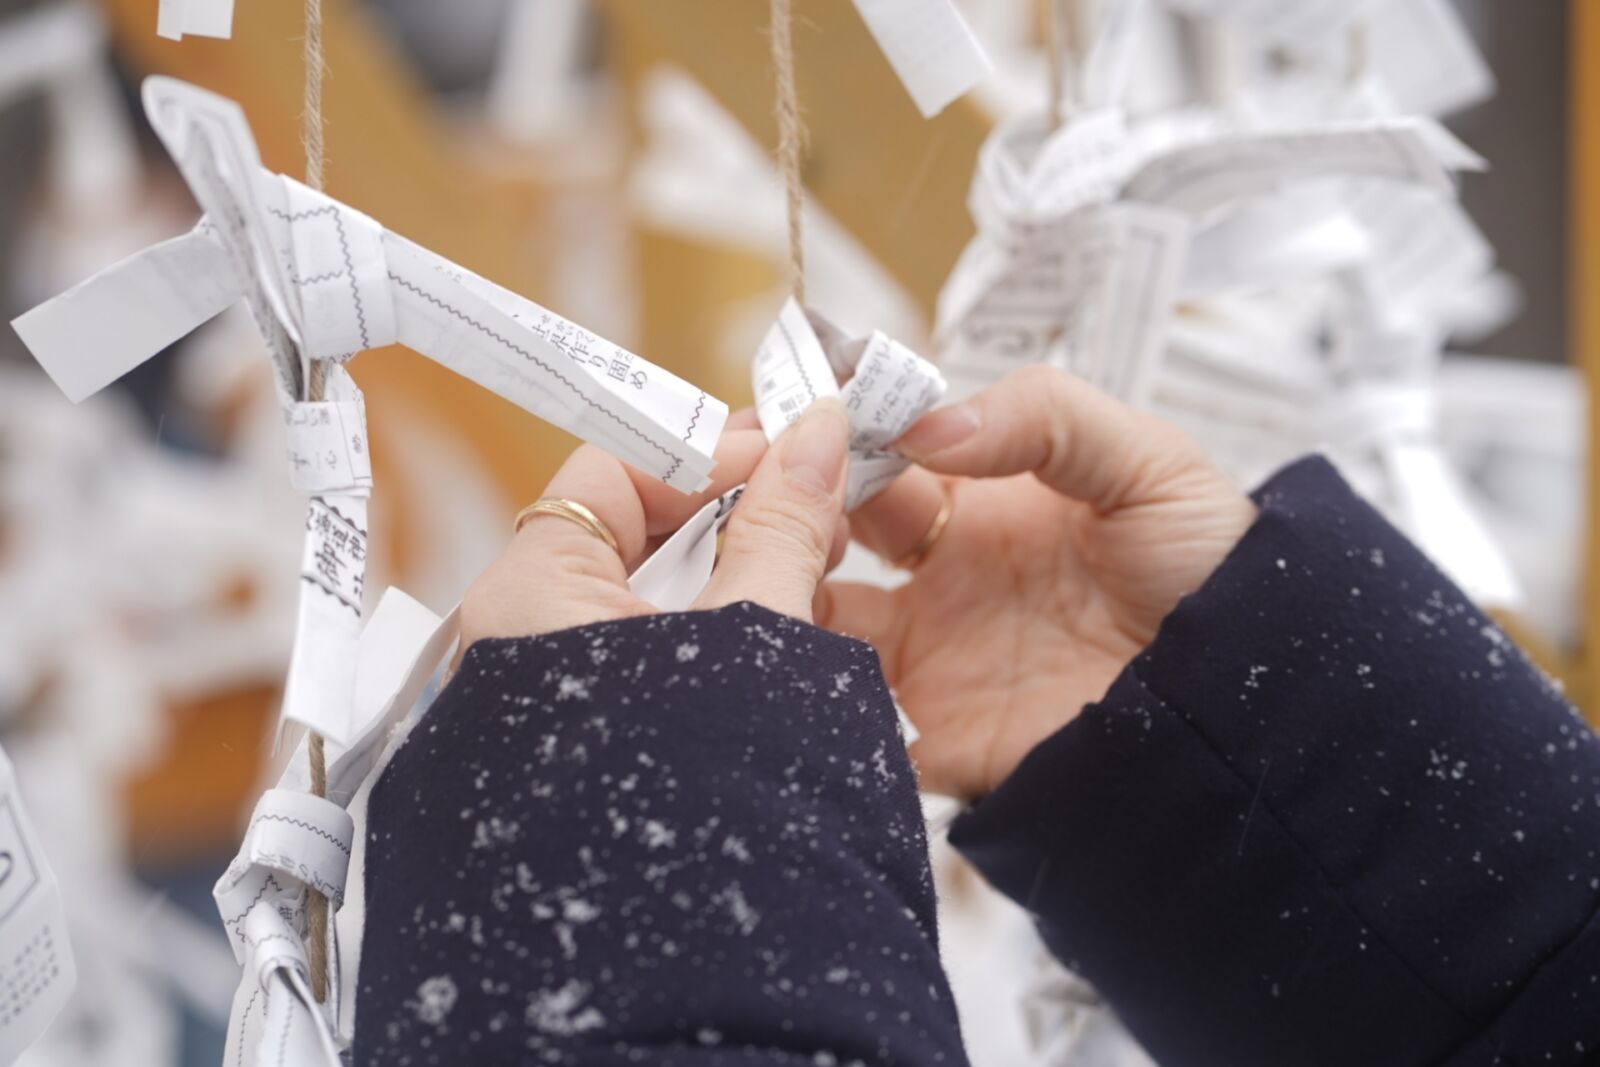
776, 547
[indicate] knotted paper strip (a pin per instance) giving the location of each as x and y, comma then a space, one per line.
325, 282
296, 840
1088, 235
887, 388
40, 973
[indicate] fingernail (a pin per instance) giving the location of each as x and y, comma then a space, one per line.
939, 430
814, 448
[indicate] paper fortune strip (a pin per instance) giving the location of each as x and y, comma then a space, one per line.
1088, 236
39, 973
887, 387
296, 840
324, 281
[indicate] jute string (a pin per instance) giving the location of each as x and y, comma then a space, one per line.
1055, 59
1359, 47
1062, 32
791, 138
311, 127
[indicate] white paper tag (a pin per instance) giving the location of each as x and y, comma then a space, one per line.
325, 281
322, 669
37, 972
295, 838
1092, 295
930, 46
108, 324
199, 18
891, 388
327, 442
1201, 179
790, 372
599, 391
336, 268
888, 387
794, 368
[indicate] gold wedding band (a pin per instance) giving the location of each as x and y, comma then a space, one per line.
573, 512
913, 559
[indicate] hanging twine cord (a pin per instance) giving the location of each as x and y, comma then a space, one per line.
311, 128
1063, 32
791, 138
1055, 59
1359, 47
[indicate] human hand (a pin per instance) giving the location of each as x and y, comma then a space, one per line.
786, 531
1076, 525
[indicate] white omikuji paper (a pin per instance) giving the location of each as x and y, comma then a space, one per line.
887, 388
199, 18
39, 971
930, 46
1089, 235
297, 840
325, 282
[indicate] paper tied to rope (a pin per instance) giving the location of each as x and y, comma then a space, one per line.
324, 281
887, 388
1089, 235
327, 443
330, 461
296, 840
40, 973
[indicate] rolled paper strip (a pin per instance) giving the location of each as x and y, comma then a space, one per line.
323, 281
328, 450
887, 388
40, 973
339, 277
295, 839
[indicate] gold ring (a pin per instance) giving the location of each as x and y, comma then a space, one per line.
573, 512
913, 559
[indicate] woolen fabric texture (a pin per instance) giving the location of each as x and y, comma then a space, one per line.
1330, 816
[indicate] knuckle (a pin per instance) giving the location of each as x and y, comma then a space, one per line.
1040, 377
784, 525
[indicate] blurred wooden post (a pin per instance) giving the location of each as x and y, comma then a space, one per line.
1583, 304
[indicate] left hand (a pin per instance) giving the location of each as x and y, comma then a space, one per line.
786, 531
1076, 525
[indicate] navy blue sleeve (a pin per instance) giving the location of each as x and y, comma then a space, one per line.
1330, 816
675, 840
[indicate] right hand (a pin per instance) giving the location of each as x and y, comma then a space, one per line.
1077, 523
